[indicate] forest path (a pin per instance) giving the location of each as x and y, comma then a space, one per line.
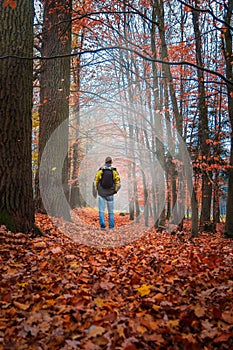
159, 292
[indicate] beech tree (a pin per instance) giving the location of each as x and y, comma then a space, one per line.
16, 72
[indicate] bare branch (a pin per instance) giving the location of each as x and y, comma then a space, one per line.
206, 11
144, 57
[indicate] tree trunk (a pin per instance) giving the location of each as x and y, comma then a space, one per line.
203, 130
216, 196
229, 213
135, 189
194, 206
146, 199
157, 146
227, 45
76, 199
158, 6
169, 194
16, 76
54, 100
166, 68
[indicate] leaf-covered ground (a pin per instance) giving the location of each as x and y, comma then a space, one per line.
160, 291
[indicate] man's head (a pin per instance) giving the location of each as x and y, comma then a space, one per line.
108, 160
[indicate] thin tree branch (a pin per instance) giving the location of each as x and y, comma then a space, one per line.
206, 11
147, 58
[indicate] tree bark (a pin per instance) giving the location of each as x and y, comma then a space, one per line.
227, 46
216, 196
54, 99
158, 146
16, 76
194, 206
76, 199
203, 130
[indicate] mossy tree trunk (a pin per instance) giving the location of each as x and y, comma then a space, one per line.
16, 76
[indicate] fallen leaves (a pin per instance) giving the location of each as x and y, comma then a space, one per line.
157, 293
227, 316
94, 331
199, 310
21, 306
144, 290
99, 302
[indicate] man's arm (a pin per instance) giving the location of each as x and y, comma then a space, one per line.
117, 180
97, 178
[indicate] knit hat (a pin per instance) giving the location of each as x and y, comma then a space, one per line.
108, 160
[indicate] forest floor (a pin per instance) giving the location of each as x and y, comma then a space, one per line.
130, 288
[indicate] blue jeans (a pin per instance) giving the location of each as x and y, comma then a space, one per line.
102, 202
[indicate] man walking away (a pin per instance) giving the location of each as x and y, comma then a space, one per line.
107, 183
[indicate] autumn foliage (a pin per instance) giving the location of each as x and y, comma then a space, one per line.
162, 291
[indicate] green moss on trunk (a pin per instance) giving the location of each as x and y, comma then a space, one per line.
7, 220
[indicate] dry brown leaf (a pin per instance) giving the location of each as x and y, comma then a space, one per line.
199, 310
39, 245
227, 316
94, 331
156, 338
223, 338
21, 306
